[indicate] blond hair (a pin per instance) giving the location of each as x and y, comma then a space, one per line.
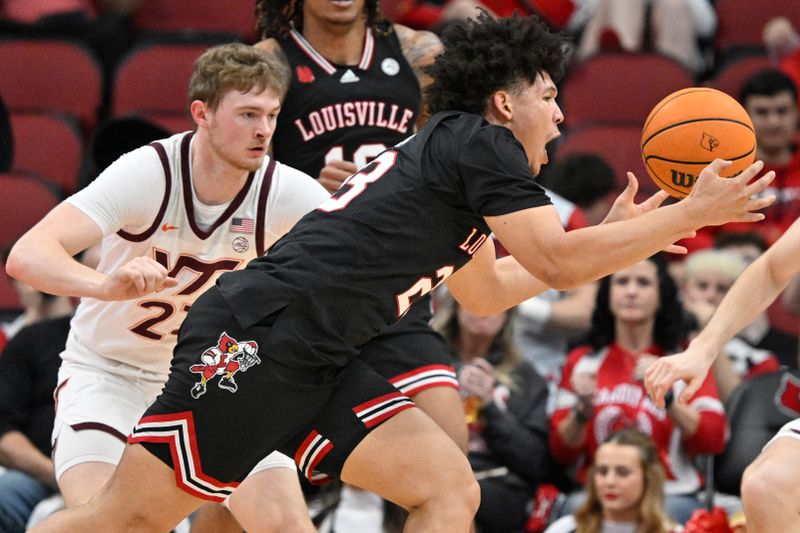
718, 261
235, 66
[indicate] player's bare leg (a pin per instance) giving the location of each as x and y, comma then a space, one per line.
410, 461
214, 518
140, 497
770, 492
271, 501
79, 483
444, 406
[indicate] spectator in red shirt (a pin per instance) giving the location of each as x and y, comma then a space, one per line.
637, 318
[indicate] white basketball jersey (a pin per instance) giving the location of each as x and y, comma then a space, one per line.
142, 332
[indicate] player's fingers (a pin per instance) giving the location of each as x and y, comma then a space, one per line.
137, 278
754, 204
715, 167
687, 393
675, 249
330, 185
760, 184
347, 166
631, 187
750, 217
170, 282
654, 201
750, 172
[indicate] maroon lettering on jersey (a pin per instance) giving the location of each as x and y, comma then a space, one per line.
788, 396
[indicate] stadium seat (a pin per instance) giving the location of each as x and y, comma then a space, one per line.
50, 76
9, 299
619, 88
48, 146
617, 144
732, 75
151, 82
741, 22
24, 200
756, 410
233, 17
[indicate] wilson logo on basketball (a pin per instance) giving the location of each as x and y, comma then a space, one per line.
682, 179
709, 142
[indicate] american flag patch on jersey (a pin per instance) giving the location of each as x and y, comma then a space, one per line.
243, 225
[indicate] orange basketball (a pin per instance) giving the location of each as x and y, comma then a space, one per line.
690, 128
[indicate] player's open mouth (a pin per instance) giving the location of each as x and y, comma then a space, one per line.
342, 3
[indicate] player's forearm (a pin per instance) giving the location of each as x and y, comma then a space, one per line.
585, 255
43, 263
752, 293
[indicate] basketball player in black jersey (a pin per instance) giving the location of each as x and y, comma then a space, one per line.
420, 214
356, 90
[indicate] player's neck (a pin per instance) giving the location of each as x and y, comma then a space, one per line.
215, 181
339, 44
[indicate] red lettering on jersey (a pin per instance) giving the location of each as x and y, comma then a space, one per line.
471, 245
305, 74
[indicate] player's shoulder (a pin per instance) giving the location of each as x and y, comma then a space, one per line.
273, 47
419, 46
290, 174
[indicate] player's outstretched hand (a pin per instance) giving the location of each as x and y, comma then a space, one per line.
689, 366
334, 173
717, 200
137, 277
625, 207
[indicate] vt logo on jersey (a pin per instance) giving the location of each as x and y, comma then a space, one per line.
225, 359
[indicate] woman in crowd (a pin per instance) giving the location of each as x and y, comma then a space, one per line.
637, 318
625, 491
505, 400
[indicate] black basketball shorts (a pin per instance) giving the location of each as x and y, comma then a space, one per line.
411, 355
230, 401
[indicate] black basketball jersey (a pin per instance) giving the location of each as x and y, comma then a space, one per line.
349, 113
389, 235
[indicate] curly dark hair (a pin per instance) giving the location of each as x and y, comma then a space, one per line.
669, 328
485, 54
276, 17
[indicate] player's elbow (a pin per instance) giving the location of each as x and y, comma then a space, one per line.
17, 262
558, 277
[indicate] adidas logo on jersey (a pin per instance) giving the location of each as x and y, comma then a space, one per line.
349, 77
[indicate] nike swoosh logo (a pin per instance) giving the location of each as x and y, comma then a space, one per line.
167, 227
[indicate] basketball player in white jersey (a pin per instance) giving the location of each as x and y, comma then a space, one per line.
172, 216
770, 489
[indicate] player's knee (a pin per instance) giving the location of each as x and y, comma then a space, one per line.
459, 491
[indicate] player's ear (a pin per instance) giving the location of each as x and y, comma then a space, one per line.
500, 106
199, 112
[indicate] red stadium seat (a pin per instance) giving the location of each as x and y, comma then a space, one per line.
733, 75
741, 22
152, 83
50, 75
617, 144
49, 146
9, 299
221, 16
24, 201
619, 88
